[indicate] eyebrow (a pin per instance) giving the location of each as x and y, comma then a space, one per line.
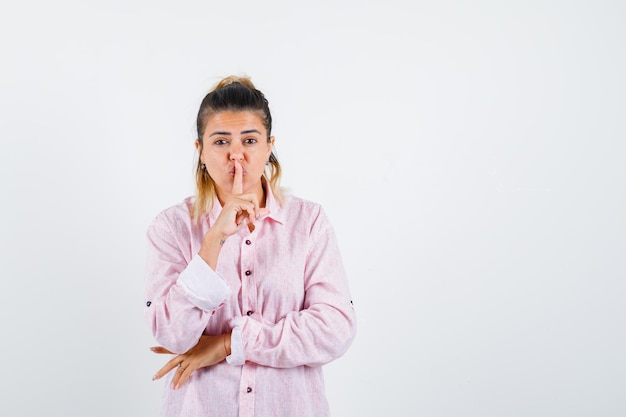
243, 132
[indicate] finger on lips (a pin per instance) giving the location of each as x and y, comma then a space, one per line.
238, 189
238, 179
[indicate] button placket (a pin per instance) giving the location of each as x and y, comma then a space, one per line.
248, 376
248, 285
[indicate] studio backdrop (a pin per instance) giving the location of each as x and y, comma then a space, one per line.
470, 155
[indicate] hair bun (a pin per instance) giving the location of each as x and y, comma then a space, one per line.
234, 79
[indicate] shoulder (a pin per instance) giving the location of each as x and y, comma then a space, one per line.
304, 212
175, 217
293, 201
292, 204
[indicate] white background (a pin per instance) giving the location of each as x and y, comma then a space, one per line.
470, 154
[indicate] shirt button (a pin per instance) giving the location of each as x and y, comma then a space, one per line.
249, 389
148, 304
249, 313
248, 242
248, 272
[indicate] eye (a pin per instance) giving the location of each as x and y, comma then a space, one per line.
220, 142
250, 141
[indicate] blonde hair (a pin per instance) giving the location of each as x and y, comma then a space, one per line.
232, 93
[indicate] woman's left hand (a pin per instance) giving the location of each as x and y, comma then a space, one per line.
208, 351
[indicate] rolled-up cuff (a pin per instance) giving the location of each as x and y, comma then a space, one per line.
236, 357
245, 331
203, 286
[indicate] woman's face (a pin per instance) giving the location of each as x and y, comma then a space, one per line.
230, 136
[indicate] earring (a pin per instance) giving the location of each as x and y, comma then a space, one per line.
203, 167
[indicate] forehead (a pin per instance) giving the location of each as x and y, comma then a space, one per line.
234, 122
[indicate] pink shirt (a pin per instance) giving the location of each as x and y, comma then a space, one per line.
282, 292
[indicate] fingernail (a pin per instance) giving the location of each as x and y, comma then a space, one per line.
154, 377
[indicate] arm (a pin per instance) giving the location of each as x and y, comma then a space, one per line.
320, 332
182, 290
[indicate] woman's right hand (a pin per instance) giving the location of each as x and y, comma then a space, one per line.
238, 211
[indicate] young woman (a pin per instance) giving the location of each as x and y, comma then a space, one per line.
244, 286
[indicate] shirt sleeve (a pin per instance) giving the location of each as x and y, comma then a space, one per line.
319, 333
181, 293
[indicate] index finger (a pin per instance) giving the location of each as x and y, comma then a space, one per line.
238, 179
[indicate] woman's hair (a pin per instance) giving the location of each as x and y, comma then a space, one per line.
231, 94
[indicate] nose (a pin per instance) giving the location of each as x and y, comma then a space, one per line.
236, 152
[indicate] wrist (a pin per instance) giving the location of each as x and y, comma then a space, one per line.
226, 342
213, 237
211, 247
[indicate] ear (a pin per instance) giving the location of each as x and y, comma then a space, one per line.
271, 141
199, 149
